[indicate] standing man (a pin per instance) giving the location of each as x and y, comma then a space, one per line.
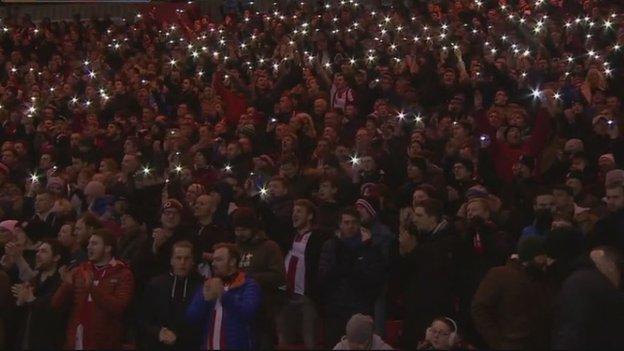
227, 305
261, 260
165, 302
299, 314
511, 308
97, 292
350, 275
39, 325
428, 267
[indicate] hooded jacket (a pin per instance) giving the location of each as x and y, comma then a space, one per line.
98, 310
165, 302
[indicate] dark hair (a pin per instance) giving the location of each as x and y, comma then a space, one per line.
308, 205
56, 248
91, 220
108, 238
232, 250
350, 211
432, 207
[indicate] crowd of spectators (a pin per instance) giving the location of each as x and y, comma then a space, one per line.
436, 174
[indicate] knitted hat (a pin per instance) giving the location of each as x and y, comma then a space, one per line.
8, 225
359, 329
172, 203
248, 130
369, 204
244, 217
531, 247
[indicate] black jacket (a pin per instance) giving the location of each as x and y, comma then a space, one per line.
349, 277
164, 305
40, 326
429, 272
312, 257
590, 312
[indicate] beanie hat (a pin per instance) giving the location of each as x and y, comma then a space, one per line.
248, 130
172, 203
369, 204
244, 217
8, 225
359, 329
530, 247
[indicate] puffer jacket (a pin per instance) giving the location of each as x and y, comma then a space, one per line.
99, 308
240, 305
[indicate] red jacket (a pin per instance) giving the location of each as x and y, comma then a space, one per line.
235, 103
100, 308
504, 155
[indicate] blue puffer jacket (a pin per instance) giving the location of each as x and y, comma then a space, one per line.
240, 306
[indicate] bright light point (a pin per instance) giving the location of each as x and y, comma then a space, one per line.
34, 178
74, 100
401, 115
557, 96
91, 74
355, 160
536, 93
86, 63
608, 71
616, 47
172, 62
146, 170
264, 191
607, 24
228, 168
178, 169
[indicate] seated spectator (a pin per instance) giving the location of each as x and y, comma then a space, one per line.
442, 334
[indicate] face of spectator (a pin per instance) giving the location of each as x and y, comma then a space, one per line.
460, 172
513, 136
222, 264
204, 206
243, 234
277, 189
320, 107
368, 164
129, 164
544, 202
615, 199
129, 224
349, 226
562, 198
477, 209
43, 203
182, 261
96, 250
44, 258
232, 151
66, 237
192, 192
423, 221
327, 192
300, 217
20, 149
45, 162
170, 218
438, 334
578, 164
576, 185
285, 104
288, 170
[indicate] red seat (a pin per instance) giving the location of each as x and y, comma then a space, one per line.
394, 330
